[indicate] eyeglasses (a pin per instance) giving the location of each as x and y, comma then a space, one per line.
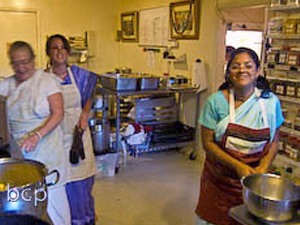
238, 67
57, 48
21, 62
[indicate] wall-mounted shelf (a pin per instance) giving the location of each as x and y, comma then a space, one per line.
290, 131
284, 79
179, 59
282, 36
286, 9
283, 67
289, 99
80, 48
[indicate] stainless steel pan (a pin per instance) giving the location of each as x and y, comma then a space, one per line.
271, 197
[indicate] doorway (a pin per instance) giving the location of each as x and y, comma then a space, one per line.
16, 25
248, 39
245, 27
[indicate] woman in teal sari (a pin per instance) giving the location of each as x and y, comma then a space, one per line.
240, 128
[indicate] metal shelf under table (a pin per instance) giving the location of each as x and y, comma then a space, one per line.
159, 91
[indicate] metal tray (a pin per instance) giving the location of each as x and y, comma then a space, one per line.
119, 82
148, 83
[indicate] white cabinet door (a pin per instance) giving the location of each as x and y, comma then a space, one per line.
15, 26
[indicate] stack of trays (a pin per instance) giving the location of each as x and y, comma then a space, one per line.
129, 82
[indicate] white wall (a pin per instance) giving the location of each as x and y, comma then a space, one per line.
71, 18
17, 25
206, 48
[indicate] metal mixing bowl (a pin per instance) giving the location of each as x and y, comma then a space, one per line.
271, 197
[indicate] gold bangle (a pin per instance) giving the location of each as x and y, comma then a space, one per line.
39, 135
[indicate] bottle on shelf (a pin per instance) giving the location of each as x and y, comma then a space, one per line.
166, 80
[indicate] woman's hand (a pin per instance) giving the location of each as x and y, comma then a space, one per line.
84, 117
83, 121
244, 170
29, 144
261, 169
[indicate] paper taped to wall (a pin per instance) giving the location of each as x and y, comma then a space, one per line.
199, 75
151, 59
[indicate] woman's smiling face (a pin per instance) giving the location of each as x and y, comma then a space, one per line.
58, 52
243, 71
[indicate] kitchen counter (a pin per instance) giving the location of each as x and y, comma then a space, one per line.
242, 215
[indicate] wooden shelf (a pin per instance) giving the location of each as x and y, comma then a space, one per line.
283, 79
290, 131
283, 68
289, 99
283, 36
286, 9
284, 43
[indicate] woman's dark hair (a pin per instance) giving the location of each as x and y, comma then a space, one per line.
17, 45
62, 38
229, 50
261, 81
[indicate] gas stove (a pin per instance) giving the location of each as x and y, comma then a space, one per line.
242, 215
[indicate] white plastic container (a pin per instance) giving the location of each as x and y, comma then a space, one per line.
106, 164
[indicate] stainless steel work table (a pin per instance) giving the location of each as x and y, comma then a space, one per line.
179, 91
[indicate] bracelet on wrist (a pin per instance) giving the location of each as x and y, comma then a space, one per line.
39, 135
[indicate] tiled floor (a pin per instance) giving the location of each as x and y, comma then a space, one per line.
154, 189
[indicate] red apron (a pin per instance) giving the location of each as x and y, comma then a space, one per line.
220, 187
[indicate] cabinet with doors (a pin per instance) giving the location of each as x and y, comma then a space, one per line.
282, 67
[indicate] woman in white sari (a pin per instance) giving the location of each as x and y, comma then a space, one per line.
35, 108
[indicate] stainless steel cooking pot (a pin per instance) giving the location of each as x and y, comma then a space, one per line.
100, 135
271, 197
23, 187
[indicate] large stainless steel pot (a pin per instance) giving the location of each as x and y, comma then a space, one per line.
21, 220
24, 187
100, 135
271, 197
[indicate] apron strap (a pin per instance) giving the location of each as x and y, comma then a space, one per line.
261, 104
231, 106
262, 107
71, 75
69, 72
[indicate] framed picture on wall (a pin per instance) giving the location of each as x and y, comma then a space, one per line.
129, 26
184, 20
